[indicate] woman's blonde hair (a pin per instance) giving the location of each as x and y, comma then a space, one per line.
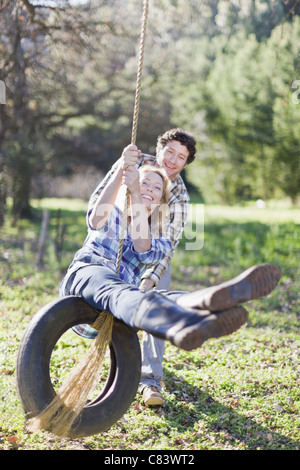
162, 173
159, 219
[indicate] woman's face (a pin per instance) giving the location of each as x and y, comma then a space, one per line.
152, 186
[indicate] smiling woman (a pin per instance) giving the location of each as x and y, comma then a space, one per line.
154, 185
145, 242
151, 189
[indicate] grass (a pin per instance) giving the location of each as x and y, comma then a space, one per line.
238, 393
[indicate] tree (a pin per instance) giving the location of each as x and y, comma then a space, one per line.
52, 72
287, 112
234, 106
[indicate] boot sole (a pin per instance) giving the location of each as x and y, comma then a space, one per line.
214, 325
253, 283
154, 401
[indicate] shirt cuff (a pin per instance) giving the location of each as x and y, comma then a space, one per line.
153, 278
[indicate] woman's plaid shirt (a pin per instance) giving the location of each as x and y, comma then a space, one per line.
101, 247
178, 210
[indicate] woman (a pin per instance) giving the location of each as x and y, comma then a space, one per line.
92, 274
149, 193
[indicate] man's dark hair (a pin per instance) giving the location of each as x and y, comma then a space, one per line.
181, 136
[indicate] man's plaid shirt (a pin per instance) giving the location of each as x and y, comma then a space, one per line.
178, 211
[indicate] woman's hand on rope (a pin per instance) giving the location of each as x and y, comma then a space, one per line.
130, 156
131, 179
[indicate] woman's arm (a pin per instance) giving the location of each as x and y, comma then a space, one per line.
106, 199
139, 225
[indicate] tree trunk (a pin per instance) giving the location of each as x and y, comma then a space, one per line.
3, 192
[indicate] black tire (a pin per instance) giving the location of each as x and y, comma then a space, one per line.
32, 368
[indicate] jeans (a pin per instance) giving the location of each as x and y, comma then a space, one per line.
100, 287
152, 349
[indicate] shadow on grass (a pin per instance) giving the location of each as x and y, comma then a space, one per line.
227, 424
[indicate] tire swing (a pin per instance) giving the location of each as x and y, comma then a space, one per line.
68, 412
33, 363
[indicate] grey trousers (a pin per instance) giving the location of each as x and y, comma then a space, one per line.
152, 348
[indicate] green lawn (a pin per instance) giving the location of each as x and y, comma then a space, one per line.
238, 392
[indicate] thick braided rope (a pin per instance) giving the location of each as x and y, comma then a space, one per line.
104, 318
134, 124
62, 412
133, 140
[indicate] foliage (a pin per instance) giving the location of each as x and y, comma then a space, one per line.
221, 69
245, 116
237, 393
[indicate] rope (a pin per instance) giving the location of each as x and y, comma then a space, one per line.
104, 322
63, 411
105, 317
134, 124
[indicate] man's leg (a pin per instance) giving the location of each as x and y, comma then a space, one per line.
152, 350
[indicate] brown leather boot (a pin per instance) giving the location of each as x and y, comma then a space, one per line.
186, 329
253, 283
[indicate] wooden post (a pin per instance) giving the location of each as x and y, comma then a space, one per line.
59, 237
43, 237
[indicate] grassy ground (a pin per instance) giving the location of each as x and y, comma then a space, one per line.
238, 392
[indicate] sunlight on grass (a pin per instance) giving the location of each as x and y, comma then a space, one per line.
237, 392
60, 203
272, 214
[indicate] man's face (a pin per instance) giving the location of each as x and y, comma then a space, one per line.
173, 158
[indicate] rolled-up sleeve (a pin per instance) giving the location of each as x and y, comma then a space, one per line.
178, 215
160, 248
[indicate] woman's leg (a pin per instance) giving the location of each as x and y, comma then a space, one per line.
257, 281
103, 289
150, 311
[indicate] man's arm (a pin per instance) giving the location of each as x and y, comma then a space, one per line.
178, 204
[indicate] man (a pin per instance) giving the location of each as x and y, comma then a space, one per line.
175, 150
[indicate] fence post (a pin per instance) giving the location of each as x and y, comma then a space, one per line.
43, 236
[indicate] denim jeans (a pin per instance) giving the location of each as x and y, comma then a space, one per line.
100, 287
152, 349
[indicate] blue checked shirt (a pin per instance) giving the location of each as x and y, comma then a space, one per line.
178, 210
101, 248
